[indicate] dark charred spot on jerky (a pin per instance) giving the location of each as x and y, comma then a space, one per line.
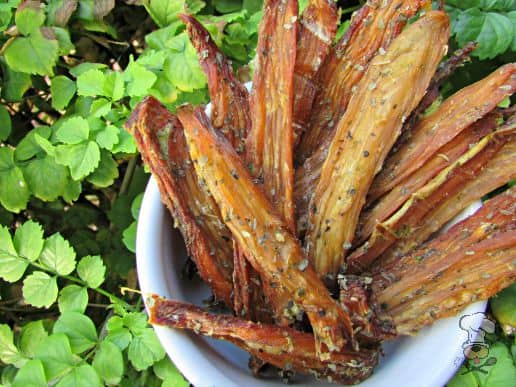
366, 153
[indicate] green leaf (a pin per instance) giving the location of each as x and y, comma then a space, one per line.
503, 372
29, 17
39, 289
100, 107
91, 269
56, 355
129, 237
135, 321
512, 18
464, 4
46, 179
28, 147
498, 5
159, 40
493, 32
11, 266
109, 363
164, 12
167, 371
108, 137
72, 191
91, 83
63, 38
135, 206
28, 240
62, 89
9, 354
106, 172
5, 123
34, 55
81, 376
80, 330
139, 79
73, 298
58, 255
503, 306
14, 193
194, 6
182, 67
32, 335
31, 374
125, 144
226, 6
73, 130
15, 84
145, 349
85, 67
120, 337
45, 145
114, 86
82, 159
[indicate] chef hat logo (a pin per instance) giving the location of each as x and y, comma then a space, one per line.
477, 325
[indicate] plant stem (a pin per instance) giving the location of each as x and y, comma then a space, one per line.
128, 176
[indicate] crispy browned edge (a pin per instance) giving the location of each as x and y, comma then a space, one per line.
391, 88
444, 157
196, 214
229, 98
456, 113
317, 29
265, 239
372, 29
284, 347
472, 261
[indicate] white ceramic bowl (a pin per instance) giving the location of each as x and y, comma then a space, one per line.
427, 360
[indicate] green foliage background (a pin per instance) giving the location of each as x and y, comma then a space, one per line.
71, 180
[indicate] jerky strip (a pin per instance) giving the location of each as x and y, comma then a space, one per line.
263, 236
160, 139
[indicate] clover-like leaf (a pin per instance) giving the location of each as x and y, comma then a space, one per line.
91, 270
58, 255
80, 330
39, 289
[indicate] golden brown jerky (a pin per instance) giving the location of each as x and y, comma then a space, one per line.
372, 29
454, 115
269, 142
444, 157
472, 261
160, 139
390, 89
282, 347
229, 98
265, 239
407, 221
317, 29
494, 175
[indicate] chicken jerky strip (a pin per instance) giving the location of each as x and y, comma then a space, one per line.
407, 220
230, 114
495, 174
444, 157
372, 29
270, 140
265, 239
391, 88
454, 115
283, 347
229, 98
317, 29
472, 261
160, 139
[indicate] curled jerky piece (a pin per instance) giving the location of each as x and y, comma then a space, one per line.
265, 239
317, 29
270, 140
229, 98
407, 220
471, 261
494, 174
160, 139
372, 29
454, 115
282, 347
391, 88
444, 157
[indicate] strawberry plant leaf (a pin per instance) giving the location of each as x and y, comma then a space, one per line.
28, 240
91, 270
108, 137
9, 354
34, 54
145, 349
73, 298
80, 331
91, 83
58, 255
81, 376
14, 193
32, 335
39, 289
31, 374
139, 79
82, 158
73, 130
106, 172
62, 90
5, 123
56, 355
109, 363
12, 267
164, 12
29, 17
46, 179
